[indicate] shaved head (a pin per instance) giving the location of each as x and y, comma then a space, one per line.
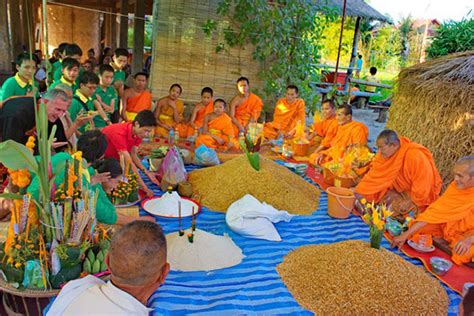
464, 172
389, 137
469, 162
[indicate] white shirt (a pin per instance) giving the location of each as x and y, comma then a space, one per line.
92, 296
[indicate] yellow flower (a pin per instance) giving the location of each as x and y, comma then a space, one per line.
363, 201
18, 265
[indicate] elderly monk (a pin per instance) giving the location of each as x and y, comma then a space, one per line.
288, 111
136, 99
451, 216
245, 107
403, 174
137, 264
326, 129
217, 130
169, 111
349, 133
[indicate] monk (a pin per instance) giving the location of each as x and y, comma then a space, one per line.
349, 133
136, 99
200, 111
403, 175
169, 111
217, 130
288, 111
326, 129
451, 216
245, 107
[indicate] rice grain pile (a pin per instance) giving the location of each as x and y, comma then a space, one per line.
350, 278
221, 185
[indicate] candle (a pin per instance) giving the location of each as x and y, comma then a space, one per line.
181, 232
193, 222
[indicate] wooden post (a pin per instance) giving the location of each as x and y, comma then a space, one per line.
15, 27
340, 39
5, 63
113, 29
45, 29
138, 36
123, 41
154, 38
355, 43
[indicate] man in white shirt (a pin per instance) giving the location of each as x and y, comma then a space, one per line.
138, 266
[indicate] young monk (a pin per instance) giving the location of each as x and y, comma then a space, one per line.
324, 131
21, 84
402, 173
349, 132
70, 71
104, 97
288, 111
200, 110
244, 107
451, 216
136, 99
82, 101
169, 111
217, 130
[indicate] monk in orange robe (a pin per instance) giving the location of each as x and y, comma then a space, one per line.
402, 173
326, 129
245, 107
200, 111
349, 133
217, 131
451, 216
169, 111
136, 99
288, 111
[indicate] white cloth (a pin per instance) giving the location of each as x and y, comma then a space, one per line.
251, 218
92, 296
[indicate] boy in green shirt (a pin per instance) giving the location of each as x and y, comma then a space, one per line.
57, 64
119, 61
21, 84
105, 97
82, 99
71, 51
70, 70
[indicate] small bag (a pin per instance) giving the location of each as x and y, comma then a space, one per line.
204, 156
172, 169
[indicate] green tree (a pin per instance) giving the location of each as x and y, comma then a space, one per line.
452, 37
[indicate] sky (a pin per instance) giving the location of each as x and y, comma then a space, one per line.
436, 9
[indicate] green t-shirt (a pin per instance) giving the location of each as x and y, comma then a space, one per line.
57, 65
119, 75
15, 86
105, 210
58, 73
106, 95
80, 103
73, 86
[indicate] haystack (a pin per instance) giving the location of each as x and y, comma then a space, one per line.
434, 106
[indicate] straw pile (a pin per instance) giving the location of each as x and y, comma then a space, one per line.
224, 184
434, 106
350, 278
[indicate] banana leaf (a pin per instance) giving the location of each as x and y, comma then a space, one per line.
17, 156
254, 159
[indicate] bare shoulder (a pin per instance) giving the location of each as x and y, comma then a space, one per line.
237, 100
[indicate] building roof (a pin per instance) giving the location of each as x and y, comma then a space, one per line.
354, 8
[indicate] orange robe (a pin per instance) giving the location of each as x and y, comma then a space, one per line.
327, 129
411, 170
220, 126
285, 118
348, 134
137, 103
186, 130
166, 117
451, 216
250, 108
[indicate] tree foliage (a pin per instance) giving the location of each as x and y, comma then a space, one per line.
452, 37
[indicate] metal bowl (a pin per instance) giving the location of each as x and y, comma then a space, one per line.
440, 266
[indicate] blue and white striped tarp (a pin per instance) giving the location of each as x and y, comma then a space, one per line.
254, 287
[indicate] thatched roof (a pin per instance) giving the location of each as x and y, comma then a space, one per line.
354, 8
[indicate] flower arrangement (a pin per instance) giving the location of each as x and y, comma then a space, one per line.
251, 148
126, 191
376, 216
351, 163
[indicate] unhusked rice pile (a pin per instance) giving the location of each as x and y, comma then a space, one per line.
350, 278
221, 185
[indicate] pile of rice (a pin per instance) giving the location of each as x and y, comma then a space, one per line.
221, 185
350, 278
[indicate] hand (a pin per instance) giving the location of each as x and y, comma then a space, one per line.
152, 177
148, 192
290, 134
100, 177
320, 159
220, 141
83, 119
55, 145
6, 206
166, 127
230, 145
399, 241
462, 247
99, 98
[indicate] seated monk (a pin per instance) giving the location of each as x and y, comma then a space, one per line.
200, 110
326, 129
169, 111
245, 107
288, 111
137, 265
349, 133
403, 175
451, 216
217, 131
136, 99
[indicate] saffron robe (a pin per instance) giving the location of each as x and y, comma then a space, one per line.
285, 118
250, 108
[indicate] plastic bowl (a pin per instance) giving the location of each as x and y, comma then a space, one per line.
440, 266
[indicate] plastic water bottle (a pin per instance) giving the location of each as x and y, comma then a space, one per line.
279, 142
176, 137
171, 136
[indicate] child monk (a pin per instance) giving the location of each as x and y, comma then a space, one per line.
217, 130
325, 130
288, 111
169, 111
136, 99
245, 107
200, 110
